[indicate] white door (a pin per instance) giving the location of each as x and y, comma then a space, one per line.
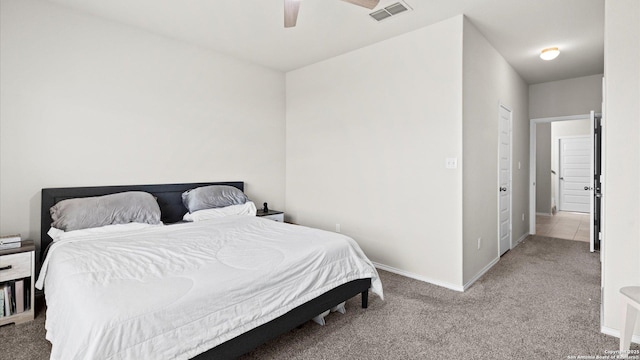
504, 186
575, 174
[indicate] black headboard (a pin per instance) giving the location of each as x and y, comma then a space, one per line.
169, 198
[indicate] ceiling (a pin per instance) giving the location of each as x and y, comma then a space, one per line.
253, 29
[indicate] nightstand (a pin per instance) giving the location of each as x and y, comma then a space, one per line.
271, 214
17, 269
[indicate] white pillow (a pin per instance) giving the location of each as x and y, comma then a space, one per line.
57, 234
248, 208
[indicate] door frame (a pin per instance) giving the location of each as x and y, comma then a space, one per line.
509, 186
532, 161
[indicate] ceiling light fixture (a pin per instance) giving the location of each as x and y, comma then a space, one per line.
549, 53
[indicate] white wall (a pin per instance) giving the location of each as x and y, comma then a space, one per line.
90, 102
577, 96
543, 168
367, 137
488, 81
563, 129
621, 244
566, 97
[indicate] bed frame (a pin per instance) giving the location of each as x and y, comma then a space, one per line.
170, 201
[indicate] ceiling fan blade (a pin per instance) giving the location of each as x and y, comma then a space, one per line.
369, 4
291, 8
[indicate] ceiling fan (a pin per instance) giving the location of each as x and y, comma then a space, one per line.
291, 8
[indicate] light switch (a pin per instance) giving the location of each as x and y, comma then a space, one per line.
451, 163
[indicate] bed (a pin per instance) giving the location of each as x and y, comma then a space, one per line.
96, 285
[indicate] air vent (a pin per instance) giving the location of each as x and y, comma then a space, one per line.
390, 10
396, 8
380, 15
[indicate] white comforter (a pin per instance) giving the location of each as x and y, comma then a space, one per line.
176, 291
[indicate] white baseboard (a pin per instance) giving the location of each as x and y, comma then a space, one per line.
490, 265
524, 236
442, 283
616, 333
418, 277
544, 214
480, 273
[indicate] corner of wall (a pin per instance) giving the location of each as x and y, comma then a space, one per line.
488, 82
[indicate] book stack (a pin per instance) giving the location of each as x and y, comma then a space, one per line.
15, 297
10, 242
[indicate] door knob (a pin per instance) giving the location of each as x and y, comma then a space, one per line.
588, 188
502, 188
561, 177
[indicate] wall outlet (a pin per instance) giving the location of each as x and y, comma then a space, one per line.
479, 243
522, 216
337, 228
451, 163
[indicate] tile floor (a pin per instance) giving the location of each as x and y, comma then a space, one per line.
564, 225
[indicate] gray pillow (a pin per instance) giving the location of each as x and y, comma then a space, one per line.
213, 196
90, 212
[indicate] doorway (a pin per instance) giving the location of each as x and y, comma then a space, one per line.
575, 184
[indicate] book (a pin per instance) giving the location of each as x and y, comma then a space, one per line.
27, 294
8, 239
7, 300
13, 245
1, 301
19, 295
12, 296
